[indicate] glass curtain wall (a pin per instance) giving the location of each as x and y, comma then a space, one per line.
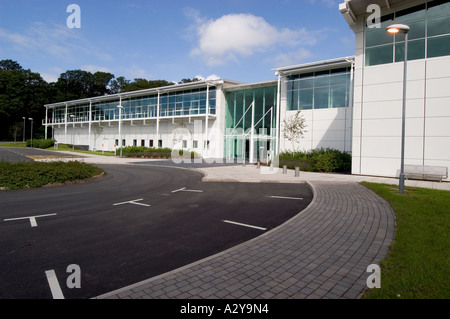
319, 90
250, 124
181, 103
429, 34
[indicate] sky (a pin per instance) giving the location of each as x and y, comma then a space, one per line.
241, 40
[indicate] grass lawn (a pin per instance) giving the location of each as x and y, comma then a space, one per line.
418, 264
18, 144
65, 147
15, 176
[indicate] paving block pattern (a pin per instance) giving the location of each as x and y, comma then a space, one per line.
323, 252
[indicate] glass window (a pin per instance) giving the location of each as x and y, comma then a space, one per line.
338, 96
411, 14
416, 50
322, 79
306, 99
379, 55
321, 98
376, 37
438, 8
426, 21
306, 81
293, 100
416, 31
438, 26
438, 46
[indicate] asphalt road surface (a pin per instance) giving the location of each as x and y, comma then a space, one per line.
20, 154
134, 223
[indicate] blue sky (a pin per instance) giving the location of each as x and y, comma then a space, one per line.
240, 40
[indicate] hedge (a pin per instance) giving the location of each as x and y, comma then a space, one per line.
318, 160
37, 143
15, 176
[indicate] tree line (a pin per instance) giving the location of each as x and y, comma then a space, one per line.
24, 93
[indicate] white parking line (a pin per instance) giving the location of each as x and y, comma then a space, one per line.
32, 219
284, 197
187, 190
134, 202
54, 284
245, 225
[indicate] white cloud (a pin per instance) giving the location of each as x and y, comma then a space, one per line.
211, 77
292, 58
56, 41
236, 35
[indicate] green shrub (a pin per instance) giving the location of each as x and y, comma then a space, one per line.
36, 174
147, 152
41, 143
318, 160
151, 152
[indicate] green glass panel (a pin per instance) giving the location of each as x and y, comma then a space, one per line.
321, 98
438, 46
379, 55
411, 14
416, 50
322, 79
306, 99
438, 26
338, 96
377, 36
339, 78
438, 8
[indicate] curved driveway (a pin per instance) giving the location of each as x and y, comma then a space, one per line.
134, 223
323, 252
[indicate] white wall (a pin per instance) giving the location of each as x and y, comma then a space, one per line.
325, 128
377, 113
103, 136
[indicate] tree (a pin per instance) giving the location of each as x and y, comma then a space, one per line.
118, 85
101, 83
189, 80
22, 94
143, 84
294, 128
10, 65
79, 84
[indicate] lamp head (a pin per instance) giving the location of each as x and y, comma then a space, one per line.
397, 28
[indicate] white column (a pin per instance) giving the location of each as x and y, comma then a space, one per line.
90, 118
252, 134
157, 122
46, 121
205, 140
65, 125
277, 124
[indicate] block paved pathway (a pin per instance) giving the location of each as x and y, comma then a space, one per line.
323, 252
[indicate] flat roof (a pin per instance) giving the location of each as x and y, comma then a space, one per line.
252, 85
316, 66
359, 7
163, 89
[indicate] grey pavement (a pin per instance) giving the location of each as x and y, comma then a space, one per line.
322, 252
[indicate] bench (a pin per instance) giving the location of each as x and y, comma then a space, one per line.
435, 173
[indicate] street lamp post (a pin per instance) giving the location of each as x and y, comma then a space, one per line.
402, 29
24, 118
120, 125
31, 119
73, 145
